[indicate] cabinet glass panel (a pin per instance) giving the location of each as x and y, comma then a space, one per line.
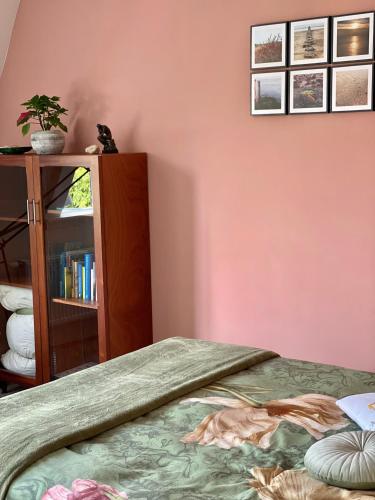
15, 263
71, 268
15, 273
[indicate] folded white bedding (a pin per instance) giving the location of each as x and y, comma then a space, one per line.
18, 364
361, 409
13, 298
20, 334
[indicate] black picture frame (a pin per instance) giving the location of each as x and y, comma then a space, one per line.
327, 45
284, 47
326, 92
351, 108
353, 58
267, 75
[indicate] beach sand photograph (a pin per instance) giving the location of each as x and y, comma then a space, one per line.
309, 41
353, 87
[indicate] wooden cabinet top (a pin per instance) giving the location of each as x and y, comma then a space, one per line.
62, 159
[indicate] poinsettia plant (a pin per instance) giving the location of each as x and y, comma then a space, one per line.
43, 111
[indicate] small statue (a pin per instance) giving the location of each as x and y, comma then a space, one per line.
105, 137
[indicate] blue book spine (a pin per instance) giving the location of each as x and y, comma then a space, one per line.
89, 258
79, 272
62, 275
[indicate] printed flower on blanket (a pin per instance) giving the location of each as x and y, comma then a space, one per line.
296, 484
246, 422
84, 489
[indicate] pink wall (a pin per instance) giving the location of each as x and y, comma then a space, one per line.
263, 229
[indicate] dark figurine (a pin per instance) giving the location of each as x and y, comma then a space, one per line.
105, 137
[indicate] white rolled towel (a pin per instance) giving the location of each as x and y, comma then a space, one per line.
20, 334
18, 364
13, 298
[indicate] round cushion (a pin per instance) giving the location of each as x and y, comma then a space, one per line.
13, 298
18, 364
346, 460
20, 334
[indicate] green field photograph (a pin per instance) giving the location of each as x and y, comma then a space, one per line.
268, 93
268, 45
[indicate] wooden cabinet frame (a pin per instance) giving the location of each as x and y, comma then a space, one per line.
119, 189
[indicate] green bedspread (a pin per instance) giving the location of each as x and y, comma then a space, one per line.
78, 407
228, 439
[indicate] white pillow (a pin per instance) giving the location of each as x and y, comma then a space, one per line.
18, 364
13, 298
20, 334
361, 409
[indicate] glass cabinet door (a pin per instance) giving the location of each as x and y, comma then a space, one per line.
17, 350
71, 268
15, 261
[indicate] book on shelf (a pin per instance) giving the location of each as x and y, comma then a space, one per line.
67, 283
83, 282
77, 275
79, 279
89, 265
93, 283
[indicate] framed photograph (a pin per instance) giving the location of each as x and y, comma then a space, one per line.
309, 40
268, 45
352, 88
308, 91
353, 37
268, 93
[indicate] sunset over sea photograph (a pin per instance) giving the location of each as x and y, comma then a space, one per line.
353, 37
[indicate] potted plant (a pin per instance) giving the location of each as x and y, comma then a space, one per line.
44, 111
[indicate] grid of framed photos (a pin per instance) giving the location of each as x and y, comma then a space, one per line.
318, 65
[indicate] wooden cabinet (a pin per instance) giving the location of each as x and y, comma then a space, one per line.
60, 214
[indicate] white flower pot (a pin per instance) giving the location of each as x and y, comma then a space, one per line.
48, 142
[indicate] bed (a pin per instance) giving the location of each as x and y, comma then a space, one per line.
182, 419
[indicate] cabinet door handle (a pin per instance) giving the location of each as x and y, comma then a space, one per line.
28, 212
29, 219
36, 211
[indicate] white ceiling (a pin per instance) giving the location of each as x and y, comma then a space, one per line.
8, 12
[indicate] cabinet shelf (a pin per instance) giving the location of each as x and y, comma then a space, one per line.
19, 220
13, 378
89, 304
18, 284
69, 213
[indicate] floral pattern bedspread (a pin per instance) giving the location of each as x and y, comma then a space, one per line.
242, 438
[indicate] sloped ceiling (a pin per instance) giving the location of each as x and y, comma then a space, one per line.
8, 12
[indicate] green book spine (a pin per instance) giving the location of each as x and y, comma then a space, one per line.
67, 283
